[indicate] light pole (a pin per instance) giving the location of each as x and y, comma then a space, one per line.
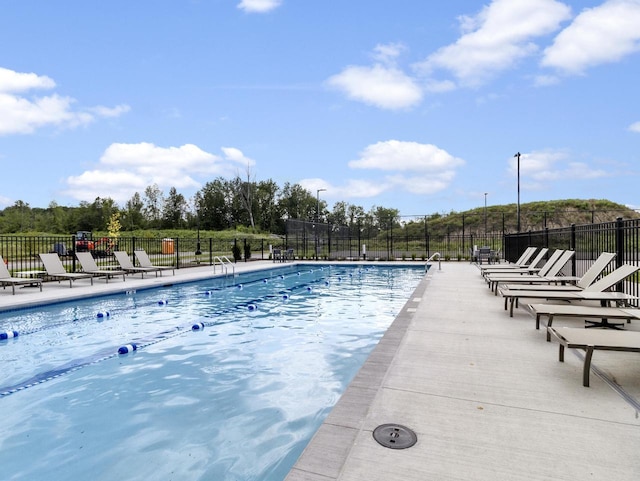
485, 213
518, 211
318, 220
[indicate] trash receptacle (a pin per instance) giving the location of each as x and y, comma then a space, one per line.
167, 246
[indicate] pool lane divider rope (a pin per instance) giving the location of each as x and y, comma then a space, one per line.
132, 347
102, 315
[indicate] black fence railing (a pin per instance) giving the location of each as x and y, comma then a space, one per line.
312, 240
621, 237
20, 253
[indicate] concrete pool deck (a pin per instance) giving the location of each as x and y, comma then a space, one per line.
484, 392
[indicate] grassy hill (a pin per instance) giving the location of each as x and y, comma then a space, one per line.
533, 216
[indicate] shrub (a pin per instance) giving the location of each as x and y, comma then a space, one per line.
235, 250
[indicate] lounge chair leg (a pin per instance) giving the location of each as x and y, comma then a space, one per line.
549, 322
561, 353
587, 366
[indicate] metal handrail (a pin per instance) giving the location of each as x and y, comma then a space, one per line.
223, 260
426, 268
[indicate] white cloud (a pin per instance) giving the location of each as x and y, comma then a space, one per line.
236, 155
11, 81
405, 156
116, 111
542, 167
380, 86
499, 36
420, 169
635, 127
128, 168
387, 53
259, 6
602, 34
352, 189
20, 114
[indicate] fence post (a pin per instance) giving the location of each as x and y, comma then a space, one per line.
177, 248
73, 257
619, 242
546, 237
573, 247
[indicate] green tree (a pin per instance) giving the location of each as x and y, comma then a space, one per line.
174, 211
133, 214
153, 205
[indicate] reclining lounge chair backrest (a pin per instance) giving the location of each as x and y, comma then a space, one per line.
53, 264
596, 269
87, 262
523, 260
123, 259
610, 280
553, 269
539, 256
4, 272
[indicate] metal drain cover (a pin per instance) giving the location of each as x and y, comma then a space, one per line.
394, 436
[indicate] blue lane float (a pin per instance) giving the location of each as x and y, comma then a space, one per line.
8, 335
102, 314
128, 348
198, 326
252, 307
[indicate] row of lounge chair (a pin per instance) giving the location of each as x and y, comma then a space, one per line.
525, 280
54, 269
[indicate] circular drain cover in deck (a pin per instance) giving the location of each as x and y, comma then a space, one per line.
394, 436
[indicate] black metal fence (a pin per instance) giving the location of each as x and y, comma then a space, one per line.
20, 253
621, 237
311, 240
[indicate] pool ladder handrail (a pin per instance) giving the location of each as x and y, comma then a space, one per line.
224, 260
426, 268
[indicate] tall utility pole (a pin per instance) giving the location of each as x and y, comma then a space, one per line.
518, 211
485, 213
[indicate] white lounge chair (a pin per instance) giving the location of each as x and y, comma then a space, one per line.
125, 264
143, 259
570, 283
89, 266
596, 340
7, 280
547, 272
593, 292
525, 261
589, 312
55, 269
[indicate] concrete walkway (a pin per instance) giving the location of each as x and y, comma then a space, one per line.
485, 395
484, 392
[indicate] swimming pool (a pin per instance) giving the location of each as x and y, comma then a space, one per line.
238, 399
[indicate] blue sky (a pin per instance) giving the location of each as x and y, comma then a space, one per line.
407, 104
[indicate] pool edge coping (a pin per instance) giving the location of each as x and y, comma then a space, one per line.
330, 447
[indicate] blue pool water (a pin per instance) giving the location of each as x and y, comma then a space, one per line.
238, 400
